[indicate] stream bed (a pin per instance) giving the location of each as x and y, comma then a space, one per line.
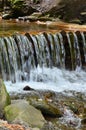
56, 87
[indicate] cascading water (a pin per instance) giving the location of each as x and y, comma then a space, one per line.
44, 60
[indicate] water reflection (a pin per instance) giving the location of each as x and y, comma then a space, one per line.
8, 27
12, 26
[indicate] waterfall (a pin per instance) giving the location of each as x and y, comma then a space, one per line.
21, 53
70, 51
62, 49
84, 44
77, 52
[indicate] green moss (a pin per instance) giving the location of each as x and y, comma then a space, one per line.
4, 95
10, 116
4, 98
22, 111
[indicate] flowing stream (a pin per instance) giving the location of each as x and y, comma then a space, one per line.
44, 61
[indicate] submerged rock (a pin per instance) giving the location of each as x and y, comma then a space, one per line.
4, 98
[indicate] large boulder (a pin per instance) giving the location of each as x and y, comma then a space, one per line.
70, 10
67, 10
4, 98
22, 112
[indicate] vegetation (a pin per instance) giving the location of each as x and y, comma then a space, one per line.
16, 3
16, 7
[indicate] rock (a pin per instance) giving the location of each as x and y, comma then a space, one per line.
37, 14
46, 106
48, 126
35, 129
27, 88
4, 125
4, 98
77, 21
83, 121
23, 113
6, 16
46, 18
69, 10
72, 108
34, 16
66, 10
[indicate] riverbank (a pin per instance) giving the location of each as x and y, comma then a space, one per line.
65, 110
43, 10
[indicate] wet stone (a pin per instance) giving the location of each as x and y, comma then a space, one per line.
48, 126
27, 88
83, 121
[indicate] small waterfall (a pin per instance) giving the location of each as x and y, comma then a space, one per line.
77, 52
84, 44
62, 50
21, 53
71, 52
57, 51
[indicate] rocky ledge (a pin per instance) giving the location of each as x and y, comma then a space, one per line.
70, 11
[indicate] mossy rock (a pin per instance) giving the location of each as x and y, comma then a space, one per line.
4, 98
21, 111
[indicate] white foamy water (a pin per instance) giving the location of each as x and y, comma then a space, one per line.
70, 118
52, 79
